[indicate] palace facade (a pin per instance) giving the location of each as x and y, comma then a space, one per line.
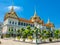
12, 21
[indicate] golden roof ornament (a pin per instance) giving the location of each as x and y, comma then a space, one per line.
12, 9
11, 14
35, 14
49, 23
48, 20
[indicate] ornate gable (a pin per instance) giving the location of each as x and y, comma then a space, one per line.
11, 14
35, 18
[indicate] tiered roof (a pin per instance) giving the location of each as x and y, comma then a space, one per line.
49, 24
11, 14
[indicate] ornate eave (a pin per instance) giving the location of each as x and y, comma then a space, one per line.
49, 25
26, 21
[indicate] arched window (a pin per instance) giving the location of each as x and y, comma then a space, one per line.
18, 23
24, 24
33, 25
10, 22
13, 22
21, 23
9, 29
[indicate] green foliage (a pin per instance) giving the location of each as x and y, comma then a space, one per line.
28, 27
18, 31
22, 29
43, 34
28, 33
56, 34
7, 35
50, 39
44, 31
30, 37
24, 35
18, 37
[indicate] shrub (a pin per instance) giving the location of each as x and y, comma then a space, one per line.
50, 39
7, 35
18, 37
30, 37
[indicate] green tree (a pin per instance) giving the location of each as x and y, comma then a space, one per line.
44, 34
18, 32
56, 34
21, 32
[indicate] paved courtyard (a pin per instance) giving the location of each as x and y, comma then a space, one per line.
11, 42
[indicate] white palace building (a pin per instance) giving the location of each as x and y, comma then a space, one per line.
12, 21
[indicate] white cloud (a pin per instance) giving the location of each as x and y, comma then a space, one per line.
15, 8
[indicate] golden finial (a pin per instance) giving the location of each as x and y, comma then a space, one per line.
48, 20
12, 8
35, 13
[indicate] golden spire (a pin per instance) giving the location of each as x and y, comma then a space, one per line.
48, 20
12, 7
35, 13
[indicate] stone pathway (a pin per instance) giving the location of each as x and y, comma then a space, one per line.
11, 42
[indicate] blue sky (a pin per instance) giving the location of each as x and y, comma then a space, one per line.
45, 9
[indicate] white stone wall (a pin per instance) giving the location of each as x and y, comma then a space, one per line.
13, 20
5, 22
4, 30
7, 25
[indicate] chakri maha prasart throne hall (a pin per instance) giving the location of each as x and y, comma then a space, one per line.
12, 21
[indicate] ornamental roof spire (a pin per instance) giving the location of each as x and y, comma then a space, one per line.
35, 13
48, 20
12, 7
